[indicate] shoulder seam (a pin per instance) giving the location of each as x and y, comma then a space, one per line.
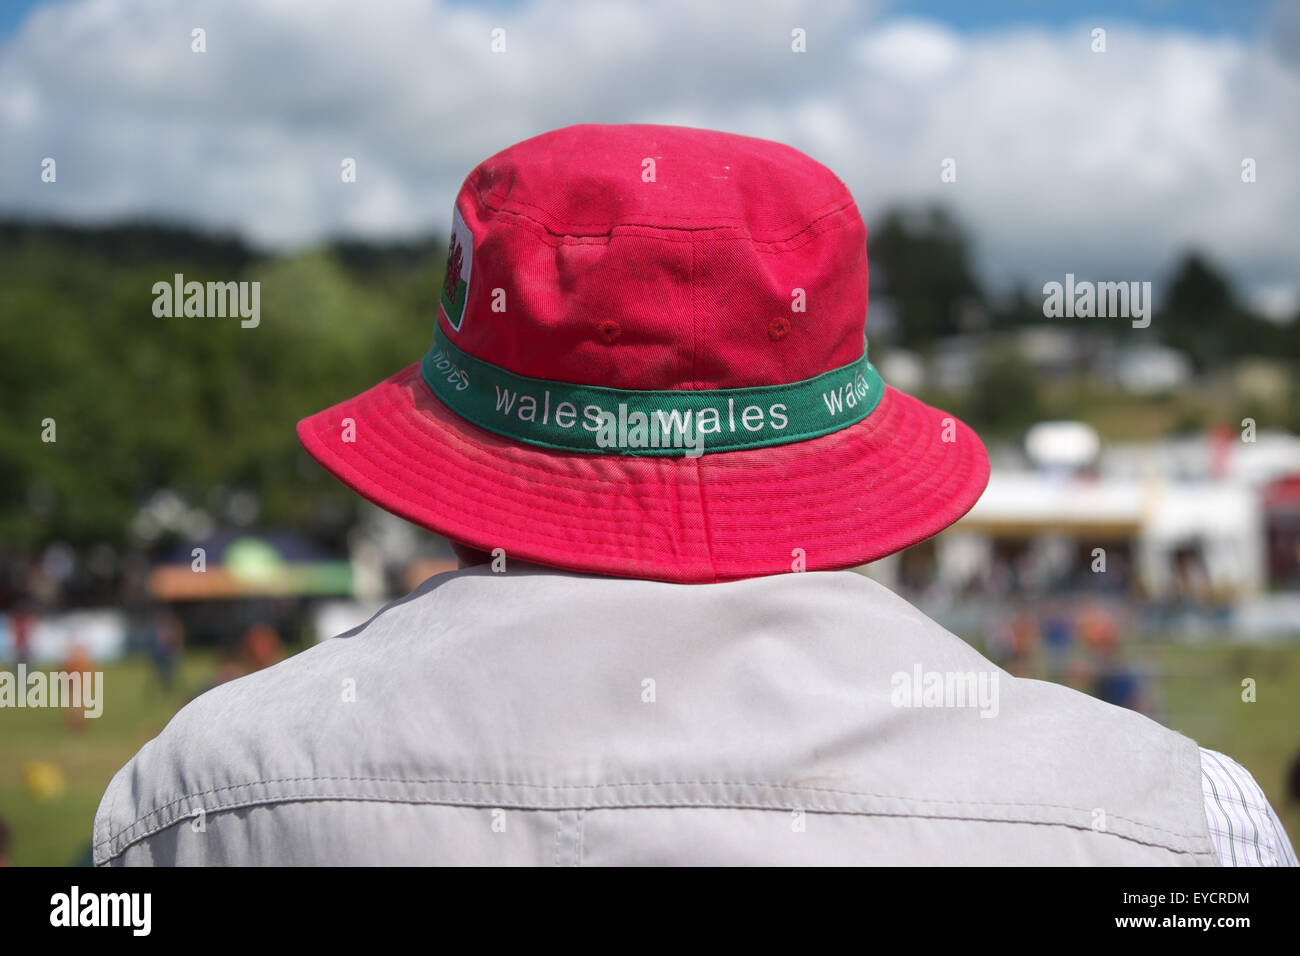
728, 795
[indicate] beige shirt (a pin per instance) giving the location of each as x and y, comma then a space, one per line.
544, 718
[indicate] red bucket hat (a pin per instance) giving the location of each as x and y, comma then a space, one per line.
650, 361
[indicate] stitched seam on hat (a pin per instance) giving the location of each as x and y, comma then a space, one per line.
503, 202
699, 472
695, 320
539, 232
807, 227
704, 519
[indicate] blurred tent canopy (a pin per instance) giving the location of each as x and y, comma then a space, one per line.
275, 563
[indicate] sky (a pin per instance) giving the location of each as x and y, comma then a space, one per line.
1107, 165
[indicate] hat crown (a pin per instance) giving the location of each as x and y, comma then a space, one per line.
659, 257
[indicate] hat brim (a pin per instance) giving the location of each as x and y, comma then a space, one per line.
900, 475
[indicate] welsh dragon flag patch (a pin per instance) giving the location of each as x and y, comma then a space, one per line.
460, 259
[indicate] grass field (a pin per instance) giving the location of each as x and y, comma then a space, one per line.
54, 829
1197, 690
1200, 689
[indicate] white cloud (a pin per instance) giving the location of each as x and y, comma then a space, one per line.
1104, 165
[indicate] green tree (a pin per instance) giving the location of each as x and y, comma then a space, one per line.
922, 260
1203, 316
194, 405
